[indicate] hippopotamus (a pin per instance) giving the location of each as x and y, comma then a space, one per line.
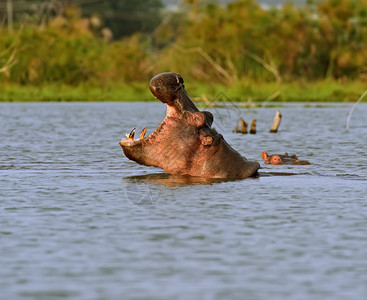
285, 159
185, 142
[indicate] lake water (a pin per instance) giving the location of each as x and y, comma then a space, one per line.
78, 220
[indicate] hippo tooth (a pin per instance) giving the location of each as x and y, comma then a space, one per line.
143, 132
132, 133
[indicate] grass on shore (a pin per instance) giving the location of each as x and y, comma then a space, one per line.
318, 91
67, 93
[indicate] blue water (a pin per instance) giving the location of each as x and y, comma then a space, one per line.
78, 220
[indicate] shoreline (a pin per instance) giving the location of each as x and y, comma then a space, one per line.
241, 92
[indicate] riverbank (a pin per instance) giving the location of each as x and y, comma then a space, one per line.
244, 91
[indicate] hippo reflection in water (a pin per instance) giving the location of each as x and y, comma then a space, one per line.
285, 159
185, 143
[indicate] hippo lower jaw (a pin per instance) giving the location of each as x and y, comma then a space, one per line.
184, 143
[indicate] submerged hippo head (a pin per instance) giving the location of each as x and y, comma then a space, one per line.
283, 159
184, 143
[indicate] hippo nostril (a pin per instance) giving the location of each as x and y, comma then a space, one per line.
179, 79
154, 89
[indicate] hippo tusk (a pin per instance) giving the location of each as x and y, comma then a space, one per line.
131, 135
143, 132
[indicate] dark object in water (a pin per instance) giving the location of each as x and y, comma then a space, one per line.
253, 127
243, 126
276, 122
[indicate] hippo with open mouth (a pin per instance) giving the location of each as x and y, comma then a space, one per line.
185, 143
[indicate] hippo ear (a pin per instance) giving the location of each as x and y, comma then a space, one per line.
264, 156
209, 117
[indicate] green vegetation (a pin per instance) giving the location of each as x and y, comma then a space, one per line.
323, 91
316, 52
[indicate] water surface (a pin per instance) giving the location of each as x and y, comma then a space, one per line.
78, 220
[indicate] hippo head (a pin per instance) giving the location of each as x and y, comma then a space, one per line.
185, 143
282, 159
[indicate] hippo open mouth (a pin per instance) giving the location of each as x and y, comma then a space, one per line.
185, 143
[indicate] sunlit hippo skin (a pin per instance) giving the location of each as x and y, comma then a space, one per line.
285, 159
185, 143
